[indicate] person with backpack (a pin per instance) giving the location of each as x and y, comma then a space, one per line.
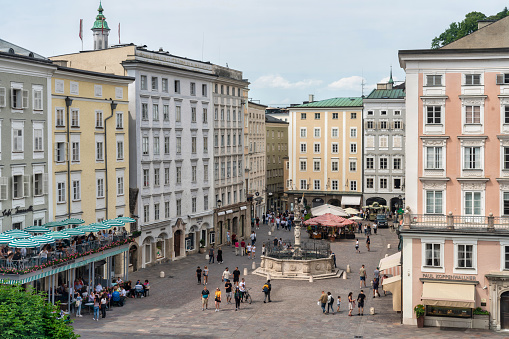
266, 289
330, 302
205, 298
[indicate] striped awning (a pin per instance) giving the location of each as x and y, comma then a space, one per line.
125, 219
24, 243
73, 231
37, 229
88, 228
58, 235
43, 239
5, 238
73, 221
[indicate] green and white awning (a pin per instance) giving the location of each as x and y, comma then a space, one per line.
88, 228
5, 238
43, 239
18, 234
73, 231
125, 219
58, 235
37, 229
24, 243
73, 221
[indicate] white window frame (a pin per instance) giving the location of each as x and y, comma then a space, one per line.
425, 201
353, 148
432, 269
465, 270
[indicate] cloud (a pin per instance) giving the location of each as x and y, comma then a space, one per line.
349, 83
277, 81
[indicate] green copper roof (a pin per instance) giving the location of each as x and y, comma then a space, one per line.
386, 94
334, 102
100, 19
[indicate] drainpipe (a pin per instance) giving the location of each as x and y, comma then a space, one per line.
68, 103
113, 106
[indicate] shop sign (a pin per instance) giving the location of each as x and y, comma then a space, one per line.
448, 276
17, 210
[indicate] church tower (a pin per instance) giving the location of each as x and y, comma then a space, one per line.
101, 30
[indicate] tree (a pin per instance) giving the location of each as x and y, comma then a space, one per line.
25, 314
460, 29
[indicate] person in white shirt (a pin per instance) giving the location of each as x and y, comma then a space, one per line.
226, 274
242, 289
253, 252
98, 288
248, 251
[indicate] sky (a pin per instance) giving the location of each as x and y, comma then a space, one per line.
287, 49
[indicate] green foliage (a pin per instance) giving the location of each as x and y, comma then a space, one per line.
480, 311
419, 310
202, 243
460, 29
308, 216
25, 314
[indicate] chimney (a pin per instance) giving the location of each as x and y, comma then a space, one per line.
484, 23
311, 97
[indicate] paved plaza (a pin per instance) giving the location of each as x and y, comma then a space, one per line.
173, 308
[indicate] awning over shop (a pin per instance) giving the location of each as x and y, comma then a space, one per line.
348, 200
393, 285
391, 264
448, 294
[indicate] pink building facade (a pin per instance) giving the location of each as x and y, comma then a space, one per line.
455, 247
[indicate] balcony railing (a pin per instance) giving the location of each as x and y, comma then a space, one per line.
455, 222
59, 254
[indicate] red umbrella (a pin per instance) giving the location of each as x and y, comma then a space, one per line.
329, 220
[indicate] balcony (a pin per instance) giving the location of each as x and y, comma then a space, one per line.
64, 256
452, 222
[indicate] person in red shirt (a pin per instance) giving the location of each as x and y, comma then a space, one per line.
243, 247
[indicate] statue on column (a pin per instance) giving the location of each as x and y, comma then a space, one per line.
297, 221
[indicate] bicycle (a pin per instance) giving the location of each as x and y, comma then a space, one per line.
247, 296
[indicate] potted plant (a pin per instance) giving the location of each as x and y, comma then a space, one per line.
481, 319
419, 314
202, 246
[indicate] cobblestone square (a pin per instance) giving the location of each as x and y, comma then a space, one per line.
173, 308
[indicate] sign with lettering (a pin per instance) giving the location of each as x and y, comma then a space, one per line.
18, 210
448, 276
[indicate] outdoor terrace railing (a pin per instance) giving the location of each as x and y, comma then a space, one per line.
455, 222
32, 261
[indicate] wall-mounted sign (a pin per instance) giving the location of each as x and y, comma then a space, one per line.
17, 210
448, 276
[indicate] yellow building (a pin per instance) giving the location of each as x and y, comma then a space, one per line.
325, 152
90, 132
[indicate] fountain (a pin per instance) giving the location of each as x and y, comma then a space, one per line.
300, 261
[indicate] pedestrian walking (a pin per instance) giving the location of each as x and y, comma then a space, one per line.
253, 237
97, 305
375, 287
243, 247
211, 255
228, 238
257, 222
330, 303
253, 252
360, 302
338, 303
323, 301
226, 275
237, 296
78, 304
242, 288
237, 245
248, 248
198, 274
104, 301
205, 298
357, 246
368, 243
264, 249
236, 276
362, 275
228, 290
375, 227
351, 304
219, 255
217, 299
266, 290
334, 258
205, 275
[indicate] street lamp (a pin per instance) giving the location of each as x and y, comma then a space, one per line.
219, 203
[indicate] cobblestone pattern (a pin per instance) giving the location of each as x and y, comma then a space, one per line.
173, 308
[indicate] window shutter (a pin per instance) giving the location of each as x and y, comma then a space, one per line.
500, 79
25, 99
26, 185
3, 99
4, 190
56, 152
45, 183
13, 102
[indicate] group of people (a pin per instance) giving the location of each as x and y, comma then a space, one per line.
283, 220
368, 244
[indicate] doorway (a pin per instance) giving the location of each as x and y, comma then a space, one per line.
504, 310
176, 242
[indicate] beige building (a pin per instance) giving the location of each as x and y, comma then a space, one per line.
277, 154
232, 212
325, 152
254, 135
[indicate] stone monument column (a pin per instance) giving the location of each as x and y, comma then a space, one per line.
297, 223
